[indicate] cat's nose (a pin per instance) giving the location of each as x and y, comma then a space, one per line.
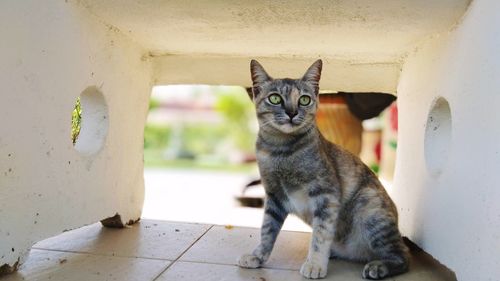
291, 113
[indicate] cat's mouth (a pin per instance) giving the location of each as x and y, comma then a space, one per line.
290, 122
289, 125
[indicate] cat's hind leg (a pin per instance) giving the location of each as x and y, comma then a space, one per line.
390, 254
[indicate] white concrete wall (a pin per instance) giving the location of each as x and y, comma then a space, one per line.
51, 51
453, 211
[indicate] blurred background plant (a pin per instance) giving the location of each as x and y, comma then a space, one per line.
237, 110
199, 126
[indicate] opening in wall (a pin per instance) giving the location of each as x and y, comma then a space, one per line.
199, 150
89, 121
437, 135
199, 154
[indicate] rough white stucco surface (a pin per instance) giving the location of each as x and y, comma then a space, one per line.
211, 42
50, 52
352, 29
454, 214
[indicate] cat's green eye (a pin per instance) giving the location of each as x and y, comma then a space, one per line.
304, 100
274, 99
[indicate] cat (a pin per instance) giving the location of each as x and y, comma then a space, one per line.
351, 215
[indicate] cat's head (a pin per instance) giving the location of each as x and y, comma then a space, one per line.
286, 105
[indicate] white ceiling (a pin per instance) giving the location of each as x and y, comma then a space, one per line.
352, 30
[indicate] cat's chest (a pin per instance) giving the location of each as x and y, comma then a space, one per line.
294, 168
300, 204
288, 179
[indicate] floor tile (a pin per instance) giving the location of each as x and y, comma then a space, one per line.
111, 254
422, 269
44, 265
146, 239
188, 271
225, 245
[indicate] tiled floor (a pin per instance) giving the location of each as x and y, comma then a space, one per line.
159, 250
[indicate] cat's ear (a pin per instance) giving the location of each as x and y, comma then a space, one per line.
249, 92
259, 76
313, 74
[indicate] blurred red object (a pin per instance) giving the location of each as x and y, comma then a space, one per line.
393, 111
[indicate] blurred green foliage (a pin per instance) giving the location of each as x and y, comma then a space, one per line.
375, 168
237, 110
191, 142
199, 139
154, 158
156, 136
153, 104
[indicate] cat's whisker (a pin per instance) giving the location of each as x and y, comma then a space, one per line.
266, 123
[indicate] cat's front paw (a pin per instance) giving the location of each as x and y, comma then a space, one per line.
313, 270
249, 261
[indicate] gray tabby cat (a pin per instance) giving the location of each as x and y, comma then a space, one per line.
351, 215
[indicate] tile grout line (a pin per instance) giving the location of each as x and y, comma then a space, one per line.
235, 265
97, 254
187, 249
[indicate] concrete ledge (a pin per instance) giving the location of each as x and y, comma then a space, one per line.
337, 75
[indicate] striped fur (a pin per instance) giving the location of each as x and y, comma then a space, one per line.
351, 215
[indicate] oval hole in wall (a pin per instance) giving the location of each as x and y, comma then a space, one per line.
89, 121
438, 135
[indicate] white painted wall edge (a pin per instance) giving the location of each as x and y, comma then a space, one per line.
337, 75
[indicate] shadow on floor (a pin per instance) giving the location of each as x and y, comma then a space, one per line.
161, 250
